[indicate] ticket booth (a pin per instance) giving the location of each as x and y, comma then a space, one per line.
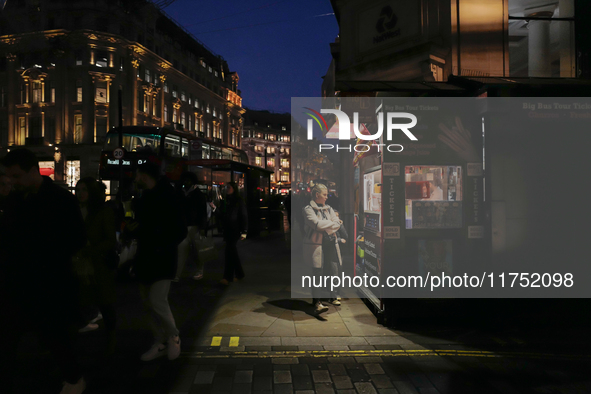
420, 206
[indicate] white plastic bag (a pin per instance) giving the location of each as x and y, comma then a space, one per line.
128, 252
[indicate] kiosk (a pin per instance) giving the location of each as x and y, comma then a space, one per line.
420, 210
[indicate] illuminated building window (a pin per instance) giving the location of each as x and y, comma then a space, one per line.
37, 92
77, 129
183, 95
72, 173
285, 177
285, 163
174, 116
166, 113
22, 131
258, 161
148, 76
102, 59
271, 162
183, 120
79, 91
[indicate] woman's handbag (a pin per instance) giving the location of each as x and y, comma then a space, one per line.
206, 249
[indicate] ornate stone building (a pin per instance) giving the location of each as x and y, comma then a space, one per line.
266, 138
63, 63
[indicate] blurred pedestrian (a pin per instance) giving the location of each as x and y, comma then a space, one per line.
321, 224
99, 288
160, 229
5, 188
194, 210
41, 230
234, 220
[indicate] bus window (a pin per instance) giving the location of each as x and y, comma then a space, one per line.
184, 148
144, 143
205, 154
216, 153
226, 154
172, 145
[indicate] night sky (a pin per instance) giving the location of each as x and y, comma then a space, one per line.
279, 48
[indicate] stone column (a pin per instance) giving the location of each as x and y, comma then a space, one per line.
539, 62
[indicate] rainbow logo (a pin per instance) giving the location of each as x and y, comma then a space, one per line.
315, 116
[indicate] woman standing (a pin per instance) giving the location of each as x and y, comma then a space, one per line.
320, 242
234, 220
98, 280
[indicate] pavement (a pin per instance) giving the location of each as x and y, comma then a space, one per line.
252, 337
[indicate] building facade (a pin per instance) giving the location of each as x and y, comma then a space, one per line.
64, 65
484, 48
266, 139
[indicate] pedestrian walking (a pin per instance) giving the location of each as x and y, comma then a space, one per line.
41, 230
287, 205
194, 208
320, 247
234, 220
100, 258
160, 228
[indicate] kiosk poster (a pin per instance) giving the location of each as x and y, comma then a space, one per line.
480, 185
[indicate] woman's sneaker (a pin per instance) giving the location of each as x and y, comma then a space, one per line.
320, 308
157, 350
173, 347
89, 327
335, 302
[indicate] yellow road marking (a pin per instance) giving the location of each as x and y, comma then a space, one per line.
216, 341
234, 341
383, 353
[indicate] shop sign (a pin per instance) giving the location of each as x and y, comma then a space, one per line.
475, 231
475, 169
474, 200
391, 232
391, 169
388, 193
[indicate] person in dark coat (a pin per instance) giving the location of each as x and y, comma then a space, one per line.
160, 228
234, 220
99, 288
40, 232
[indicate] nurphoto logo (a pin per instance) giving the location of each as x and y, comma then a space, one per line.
344, 124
